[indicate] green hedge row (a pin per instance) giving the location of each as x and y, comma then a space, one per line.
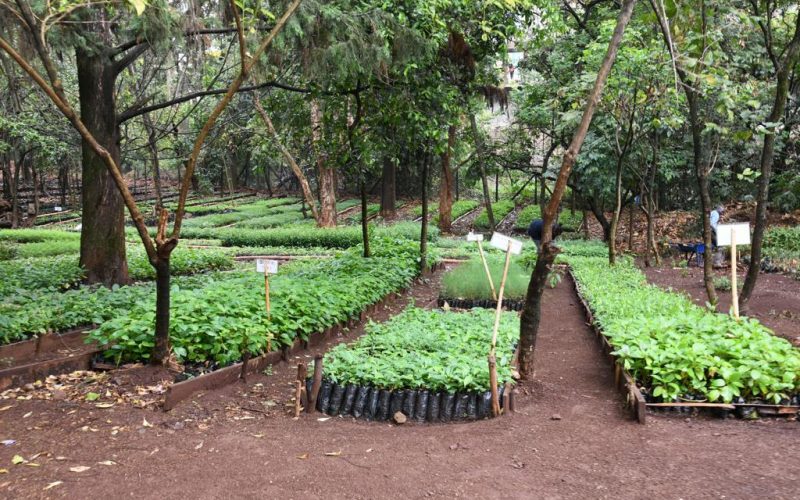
499, 209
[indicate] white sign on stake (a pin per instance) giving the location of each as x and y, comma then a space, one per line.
474, 236
267, 265
501, 241
58, 209
725, 231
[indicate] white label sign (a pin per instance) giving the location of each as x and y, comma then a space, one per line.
501, 241
266, 265
474, 236
58, 209
725, 232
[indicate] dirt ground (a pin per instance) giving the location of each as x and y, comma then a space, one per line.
775, 301
571, 438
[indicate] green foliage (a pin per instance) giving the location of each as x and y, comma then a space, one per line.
499, 210
304, 235
214, 322
53, 273
784, 238
674, 348
722, 283
434, 350
468, 280
417, 210
526, 216
183, 261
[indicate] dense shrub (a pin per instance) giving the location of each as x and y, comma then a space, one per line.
499, 209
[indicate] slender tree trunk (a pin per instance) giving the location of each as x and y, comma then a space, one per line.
162, 345
15, 212
446, 185
364, 225
783, 72
612, 240
389, 188
298, 172
487, 197
152, 145
531, 313
103, 210
423, 237
701, 173
325, 174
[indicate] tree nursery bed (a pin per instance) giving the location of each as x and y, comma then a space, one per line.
428, 365
674, 355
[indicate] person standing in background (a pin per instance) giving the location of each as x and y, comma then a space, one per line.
714, 218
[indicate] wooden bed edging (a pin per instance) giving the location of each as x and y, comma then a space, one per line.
21, 363
623, 380
230, 374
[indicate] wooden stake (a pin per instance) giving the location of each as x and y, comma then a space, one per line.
486, 267
493, 384
492, 360
734, 285
300, 389
311, 407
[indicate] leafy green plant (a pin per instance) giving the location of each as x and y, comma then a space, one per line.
53, 273
434, 350
722, 283
673, 347
213, 322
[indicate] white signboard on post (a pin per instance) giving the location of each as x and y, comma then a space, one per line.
501, 242
726, 233
474, 236
267, 266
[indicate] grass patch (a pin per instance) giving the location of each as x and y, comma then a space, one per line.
468, 280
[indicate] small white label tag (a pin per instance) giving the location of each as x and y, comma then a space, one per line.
267, 265
725, 232
501, 241
474, 236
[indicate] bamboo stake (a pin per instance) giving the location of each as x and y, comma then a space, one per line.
311, 407
734, 285
492, 360
486, 268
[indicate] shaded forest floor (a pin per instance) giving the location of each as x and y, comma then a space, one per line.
571, 437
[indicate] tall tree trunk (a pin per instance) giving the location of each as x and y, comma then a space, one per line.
481, 157
783, 72
647, 205
597, 211
389, 188
701, 173
325, 174
15, 211
103, 215
446, 185
298, 172
162, 345
531, 313
364, 225
423, 236
612, 239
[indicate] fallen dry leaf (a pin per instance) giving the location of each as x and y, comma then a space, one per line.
3, 471
304, 456
27, 414
333, 453
104, 405
145, 423
199, 446
79, 468
6, 407
53, 485
16, 460
107, 462
31, 464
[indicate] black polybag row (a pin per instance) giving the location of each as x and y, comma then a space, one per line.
420, 405
510, 305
